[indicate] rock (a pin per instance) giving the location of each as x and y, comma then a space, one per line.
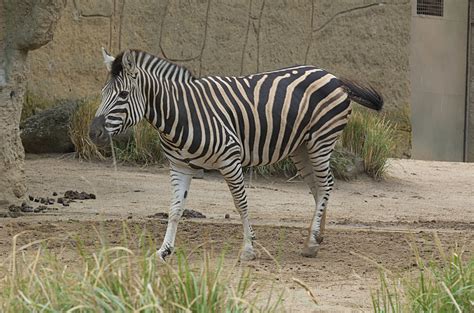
346, 165
160, 215
76, 195
187, 213
190, 213
48, 131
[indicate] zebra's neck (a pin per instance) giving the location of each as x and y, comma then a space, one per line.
160, 68
163, 84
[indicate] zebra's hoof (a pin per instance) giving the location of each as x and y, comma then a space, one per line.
248, 255
164, 252
310, 252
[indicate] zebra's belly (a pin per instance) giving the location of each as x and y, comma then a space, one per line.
252, 157
183, 158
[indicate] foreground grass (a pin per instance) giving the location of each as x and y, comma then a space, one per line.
122, 279
434, 286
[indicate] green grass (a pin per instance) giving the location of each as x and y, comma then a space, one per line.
371, 137
127, 278
143, 146
434, 286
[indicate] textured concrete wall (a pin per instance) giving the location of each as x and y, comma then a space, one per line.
366, 40
470, 105
438, 82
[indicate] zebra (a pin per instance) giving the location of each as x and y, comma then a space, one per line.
226, 123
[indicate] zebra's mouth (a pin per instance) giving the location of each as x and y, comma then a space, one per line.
98, 133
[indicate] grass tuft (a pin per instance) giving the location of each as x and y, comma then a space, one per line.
372, 138
79, 130
142, 147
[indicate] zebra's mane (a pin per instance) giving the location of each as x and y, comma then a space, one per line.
117, 67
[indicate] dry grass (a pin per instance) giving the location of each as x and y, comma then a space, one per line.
141, 146
79, 130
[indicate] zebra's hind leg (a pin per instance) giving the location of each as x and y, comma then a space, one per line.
180, 182
315, 171
319, 157
235, 180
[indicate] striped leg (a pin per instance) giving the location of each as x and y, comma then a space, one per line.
320, 161
315, 171
180, 181
235, 180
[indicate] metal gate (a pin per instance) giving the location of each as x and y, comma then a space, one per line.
438, 64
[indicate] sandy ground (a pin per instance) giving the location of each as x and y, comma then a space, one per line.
370, 224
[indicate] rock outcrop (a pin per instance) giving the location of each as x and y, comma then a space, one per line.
25, 25
48, 131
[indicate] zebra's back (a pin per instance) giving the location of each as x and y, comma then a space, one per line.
270, 113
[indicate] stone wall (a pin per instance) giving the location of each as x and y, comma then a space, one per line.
470, 105
366, 40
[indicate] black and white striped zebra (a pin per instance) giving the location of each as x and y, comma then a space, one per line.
226, 123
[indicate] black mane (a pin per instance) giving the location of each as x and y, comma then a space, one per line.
117, 66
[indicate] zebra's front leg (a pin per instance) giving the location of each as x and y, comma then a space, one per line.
180, 184
235, 180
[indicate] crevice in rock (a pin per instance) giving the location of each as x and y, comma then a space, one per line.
246, 38
310, 40
258, 35
347, 11
205, 36
94, 15
161, 30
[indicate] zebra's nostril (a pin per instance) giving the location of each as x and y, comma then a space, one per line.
97, 131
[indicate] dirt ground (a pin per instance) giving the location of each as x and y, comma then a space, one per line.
369, 224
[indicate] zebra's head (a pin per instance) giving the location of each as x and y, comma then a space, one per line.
123, 102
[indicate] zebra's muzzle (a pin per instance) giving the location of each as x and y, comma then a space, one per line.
97, 132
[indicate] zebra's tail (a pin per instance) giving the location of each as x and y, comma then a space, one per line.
366, 96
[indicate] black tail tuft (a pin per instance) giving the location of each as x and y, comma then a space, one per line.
366, 96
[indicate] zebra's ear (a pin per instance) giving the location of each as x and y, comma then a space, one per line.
128, 62
108, 59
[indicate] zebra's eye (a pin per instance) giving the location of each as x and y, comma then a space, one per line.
123, 94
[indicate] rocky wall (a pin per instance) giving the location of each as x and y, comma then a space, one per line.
366, 40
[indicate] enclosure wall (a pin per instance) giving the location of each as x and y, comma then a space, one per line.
358, 39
